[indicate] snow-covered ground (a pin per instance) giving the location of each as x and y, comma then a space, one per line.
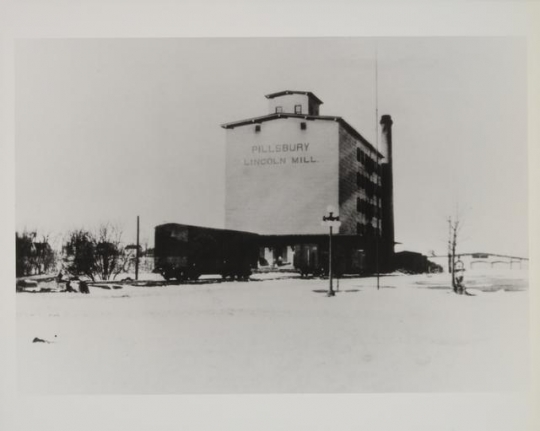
279, 333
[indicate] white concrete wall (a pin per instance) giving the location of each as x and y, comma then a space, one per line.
272, 191
489, 263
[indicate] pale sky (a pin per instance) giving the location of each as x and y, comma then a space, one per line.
108, 129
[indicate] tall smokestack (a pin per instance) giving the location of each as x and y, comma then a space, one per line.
387, 218
386, 132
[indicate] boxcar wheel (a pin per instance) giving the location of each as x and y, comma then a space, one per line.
193, 276
180, 275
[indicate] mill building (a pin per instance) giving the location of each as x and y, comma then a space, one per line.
284, 168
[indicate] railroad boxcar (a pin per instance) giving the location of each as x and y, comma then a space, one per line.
186, 252
312, 257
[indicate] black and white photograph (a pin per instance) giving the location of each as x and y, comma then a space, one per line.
319, 215
295, 223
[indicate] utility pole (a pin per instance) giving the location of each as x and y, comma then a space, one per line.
137, 253
449, 244
378, 169
377, 258
330, 273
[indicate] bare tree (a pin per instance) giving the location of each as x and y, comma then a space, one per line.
24, 249
455, 265
45, 258
98, 255
110, 256
33, 256
80, 253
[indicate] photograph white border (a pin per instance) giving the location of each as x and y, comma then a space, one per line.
243, 18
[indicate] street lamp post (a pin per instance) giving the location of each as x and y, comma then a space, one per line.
331, 221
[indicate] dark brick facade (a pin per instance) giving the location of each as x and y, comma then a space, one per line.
359, 186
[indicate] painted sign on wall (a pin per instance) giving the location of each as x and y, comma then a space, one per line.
280, 177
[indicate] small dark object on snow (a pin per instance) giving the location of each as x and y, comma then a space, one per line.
83, 287
39, 340
459, 285
68, 287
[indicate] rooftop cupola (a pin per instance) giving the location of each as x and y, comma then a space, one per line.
293, 102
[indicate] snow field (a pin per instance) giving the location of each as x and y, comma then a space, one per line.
276, 336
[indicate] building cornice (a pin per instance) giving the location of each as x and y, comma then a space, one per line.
287, 92
276, 116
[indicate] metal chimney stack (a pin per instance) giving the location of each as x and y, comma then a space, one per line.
387, 219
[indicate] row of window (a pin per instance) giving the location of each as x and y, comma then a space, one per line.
366, 230
297, 109
373, 189
369, 186
367, 208
370, 165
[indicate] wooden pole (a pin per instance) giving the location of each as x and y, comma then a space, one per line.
450, 245
331, 289
137, 253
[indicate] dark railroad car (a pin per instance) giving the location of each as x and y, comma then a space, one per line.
415, 263
186, 252
312, 258
306, 259
311, 255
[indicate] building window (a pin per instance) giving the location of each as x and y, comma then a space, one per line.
360, 155
258, 128
297, 109
370, 211
303, 126
369, 230
279, 109
361, 180
370, 166
370, 188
